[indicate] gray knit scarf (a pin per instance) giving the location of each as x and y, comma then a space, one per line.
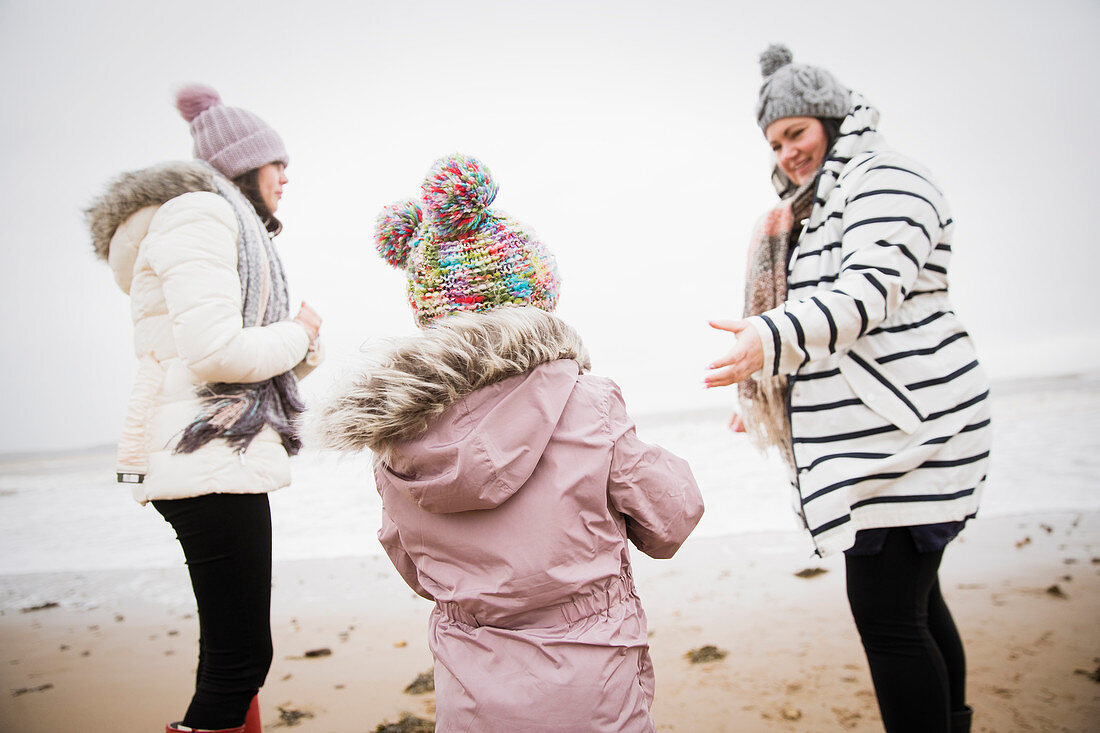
238, 412
764, 401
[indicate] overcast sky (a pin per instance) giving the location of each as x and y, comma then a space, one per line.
622, 133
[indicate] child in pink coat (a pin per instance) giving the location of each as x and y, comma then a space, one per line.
511, 479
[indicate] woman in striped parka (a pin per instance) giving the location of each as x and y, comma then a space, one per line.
852, 362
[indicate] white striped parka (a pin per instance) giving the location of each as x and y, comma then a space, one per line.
888, 405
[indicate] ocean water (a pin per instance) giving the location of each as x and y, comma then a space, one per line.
64, 512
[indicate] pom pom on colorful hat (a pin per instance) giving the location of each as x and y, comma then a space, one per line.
460, 255
231, 139
797, 90
396, 230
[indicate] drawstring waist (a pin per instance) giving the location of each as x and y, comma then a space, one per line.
590, 604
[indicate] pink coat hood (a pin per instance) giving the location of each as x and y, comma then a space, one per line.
482, 450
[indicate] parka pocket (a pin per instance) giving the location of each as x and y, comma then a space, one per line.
880, 393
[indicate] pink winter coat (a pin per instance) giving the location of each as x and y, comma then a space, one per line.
511, 510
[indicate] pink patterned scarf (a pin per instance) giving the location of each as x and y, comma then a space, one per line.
764, 401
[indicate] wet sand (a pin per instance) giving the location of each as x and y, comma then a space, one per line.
117, 652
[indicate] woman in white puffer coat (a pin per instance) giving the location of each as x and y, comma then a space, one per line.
209, 427
852, 361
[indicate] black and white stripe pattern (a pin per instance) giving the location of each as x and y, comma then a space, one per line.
888, 404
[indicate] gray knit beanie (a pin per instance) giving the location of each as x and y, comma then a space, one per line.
797, 90
231, 139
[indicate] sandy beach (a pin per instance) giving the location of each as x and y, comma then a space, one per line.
349, 638
97, 626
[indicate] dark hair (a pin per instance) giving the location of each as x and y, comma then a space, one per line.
832, 131
249, 183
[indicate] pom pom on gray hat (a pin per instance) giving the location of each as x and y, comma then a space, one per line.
797, 90
774, 57
231, 139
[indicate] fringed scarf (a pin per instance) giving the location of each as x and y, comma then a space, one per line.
764, 401
238, 412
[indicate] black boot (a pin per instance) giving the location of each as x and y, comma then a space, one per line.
960, 720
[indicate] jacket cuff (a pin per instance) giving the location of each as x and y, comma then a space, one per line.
769, 343
314, 357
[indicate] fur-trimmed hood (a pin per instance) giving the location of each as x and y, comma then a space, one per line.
459, 414
136, 190
407, 383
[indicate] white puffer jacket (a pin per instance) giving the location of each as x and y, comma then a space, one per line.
171, 243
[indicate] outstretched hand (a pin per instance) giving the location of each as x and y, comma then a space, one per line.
745, 358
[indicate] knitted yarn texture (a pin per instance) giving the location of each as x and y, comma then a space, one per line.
797, 90
460, 255
231, 139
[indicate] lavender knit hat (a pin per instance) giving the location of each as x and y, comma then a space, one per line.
231, 139
797, 90
460, 255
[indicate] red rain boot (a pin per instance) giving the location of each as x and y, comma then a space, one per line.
252, 721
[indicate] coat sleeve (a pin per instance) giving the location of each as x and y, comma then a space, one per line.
192, 248
652, 488
890, 225
314, 357
391, 542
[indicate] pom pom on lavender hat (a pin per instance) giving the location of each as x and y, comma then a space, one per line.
194, 99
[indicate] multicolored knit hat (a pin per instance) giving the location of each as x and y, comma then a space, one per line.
460, 255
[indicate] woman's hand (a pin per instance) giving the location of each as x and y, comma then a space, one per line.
310, 320
745, 358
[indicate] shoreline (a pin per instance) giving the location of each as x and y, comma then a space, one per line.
117, 652
1002, 386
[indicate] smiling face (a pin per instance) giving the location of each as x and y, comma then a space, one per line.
800, 144
270, 180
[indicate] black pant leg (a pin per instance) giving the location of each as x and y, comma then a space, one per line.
889, 596
226, 539
946, 635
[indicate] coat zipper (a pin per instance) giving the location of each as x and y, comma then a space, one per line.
791, 251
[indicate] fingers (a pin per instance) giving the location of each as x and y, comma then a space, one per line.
728, 324
310, 320
740, 362
308, 313
725, 376
732, 356
731, 368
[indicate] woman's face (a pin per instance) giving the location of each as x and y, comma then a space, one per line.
271, 179
800, 145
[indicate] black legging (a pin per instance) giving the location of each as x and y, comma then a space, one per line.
226, 539
913, 648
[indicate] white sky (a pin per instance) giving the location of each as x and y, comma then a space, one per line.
621, 132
